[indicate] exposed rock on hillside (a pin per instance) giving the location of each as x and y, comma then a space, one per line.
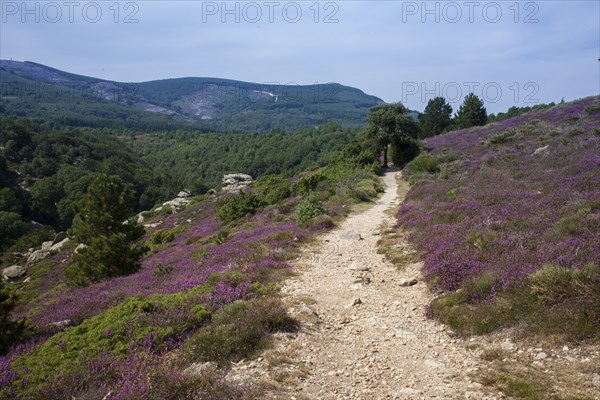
37, 256
235, 182
14, 272
176, 204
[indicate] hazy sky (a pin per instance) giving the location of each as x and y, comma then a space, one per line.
506, 52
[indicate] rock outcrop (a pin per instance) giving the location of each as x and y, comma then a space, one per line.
38, 255
177, 203
233, 183
14, 272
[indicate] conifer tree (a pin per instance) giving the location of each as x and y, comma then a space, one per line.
471, 113
100, 225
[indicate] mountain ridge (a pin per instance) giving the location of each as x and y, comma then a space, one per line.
202, 102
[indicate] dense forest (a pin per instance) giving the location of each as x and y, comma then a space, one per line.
198, 160
44, 174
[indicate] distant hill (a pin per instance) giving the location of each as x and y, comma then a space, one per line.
66, 99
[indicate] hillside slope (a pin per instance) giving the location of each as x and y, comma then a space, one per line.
508, 207
205, 103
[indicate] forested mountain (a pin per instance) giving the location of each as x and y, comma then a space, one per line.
62, 99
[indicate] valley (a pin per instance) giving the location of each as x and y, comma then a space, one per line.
358, 251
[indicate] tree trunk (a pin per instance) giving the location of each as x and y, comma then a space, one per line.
385, 160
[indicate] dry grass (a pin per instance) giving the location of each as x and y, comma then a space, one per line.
396, 249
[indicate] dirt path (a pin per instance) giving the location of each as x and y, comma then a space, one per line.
363, 334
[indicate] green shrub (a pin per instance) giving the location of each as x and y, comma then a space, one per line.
165, 236
452, 194
553, 284
366, 189
483, 241
161, 270
221, 237
115, 331
322, 221
306, 184
555, 301
424, 163
374, 168
481, 288
200, 253
235, 207
274, 188
237, 331
579, 221
593, 108
307, 209
502, 137
10, 331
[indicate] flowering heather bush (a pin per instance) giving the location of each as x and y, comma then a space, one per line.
124, 333
508, 199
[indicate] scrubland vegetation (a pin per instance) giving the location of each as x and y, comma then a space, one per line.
507, 220
505, 217
205, 292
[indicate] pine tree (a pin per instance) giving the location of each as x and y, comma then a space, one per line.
100, 226
471, 113
436, 117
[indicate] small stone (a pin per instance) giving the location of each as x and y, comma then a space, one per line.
541, 356
357, 267
80, 246
363, 279
408, 282
47, 245
355, 302
543, 151
351, 235
507, 345
565, 348
61, 324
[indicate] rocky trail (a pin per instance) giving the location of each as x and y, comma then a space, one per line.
363, 332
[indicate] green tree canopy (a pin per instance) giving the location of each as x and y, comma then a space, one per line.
436, 117
471, 113
11, 227
9, 201
390, 124
99, 224
10, 331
